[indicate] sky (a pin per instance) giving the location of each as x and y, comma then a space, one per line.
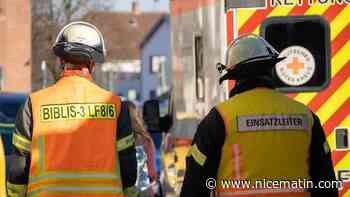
145, 5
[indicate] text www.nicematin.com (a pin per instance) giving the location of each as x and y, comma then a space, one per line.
273, 184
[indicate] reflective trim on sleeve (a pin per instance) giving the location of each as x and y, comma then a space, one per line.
125, 142
6, 128
15, 190
21, 142
7, 125
197, 155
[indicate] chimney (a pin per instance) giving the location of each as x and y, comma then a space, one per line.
135, 7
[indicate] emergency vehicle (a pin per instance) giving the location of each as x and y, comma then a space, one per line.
9, 105
314, 36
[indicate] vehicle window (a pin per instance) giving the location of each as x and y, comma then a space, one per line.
341, 139
305, 42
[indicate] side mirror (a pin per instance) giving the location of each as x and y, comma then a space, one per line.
151, 115
166, 122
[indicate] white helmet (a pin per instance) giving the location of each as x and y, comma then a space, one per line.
80, 43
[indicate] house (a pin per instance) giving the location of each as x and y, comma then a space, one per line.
15, 51
123, 33
156, 61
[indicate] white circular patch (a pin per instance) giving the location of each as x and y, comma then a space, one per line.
298, 67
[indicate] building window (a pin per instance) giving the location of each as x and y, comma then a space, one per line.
157, 62
245, 4
132, 95
199, 69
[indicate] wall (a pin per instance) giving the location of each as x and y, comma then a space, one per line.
15, 50
191, 19
157, 45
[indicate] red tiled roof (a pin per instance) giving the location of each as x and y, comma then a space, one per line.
123, 31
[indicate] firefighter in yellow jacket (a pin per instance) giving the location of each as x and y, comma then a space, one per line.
73, 138
258, 135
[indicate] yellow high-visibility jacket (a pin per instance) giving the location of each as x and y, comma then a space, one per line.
2, 170
268, 136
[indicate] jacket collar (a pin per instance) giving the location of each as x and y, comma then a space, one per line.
249, 84
81, 72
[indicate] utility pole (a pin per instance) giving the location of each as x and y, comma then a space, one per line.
44, 72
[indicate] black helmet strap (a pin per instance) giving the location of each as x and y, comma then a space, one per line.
251, 69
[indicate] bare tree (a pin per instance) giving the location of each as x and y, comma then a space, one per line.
48, 16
